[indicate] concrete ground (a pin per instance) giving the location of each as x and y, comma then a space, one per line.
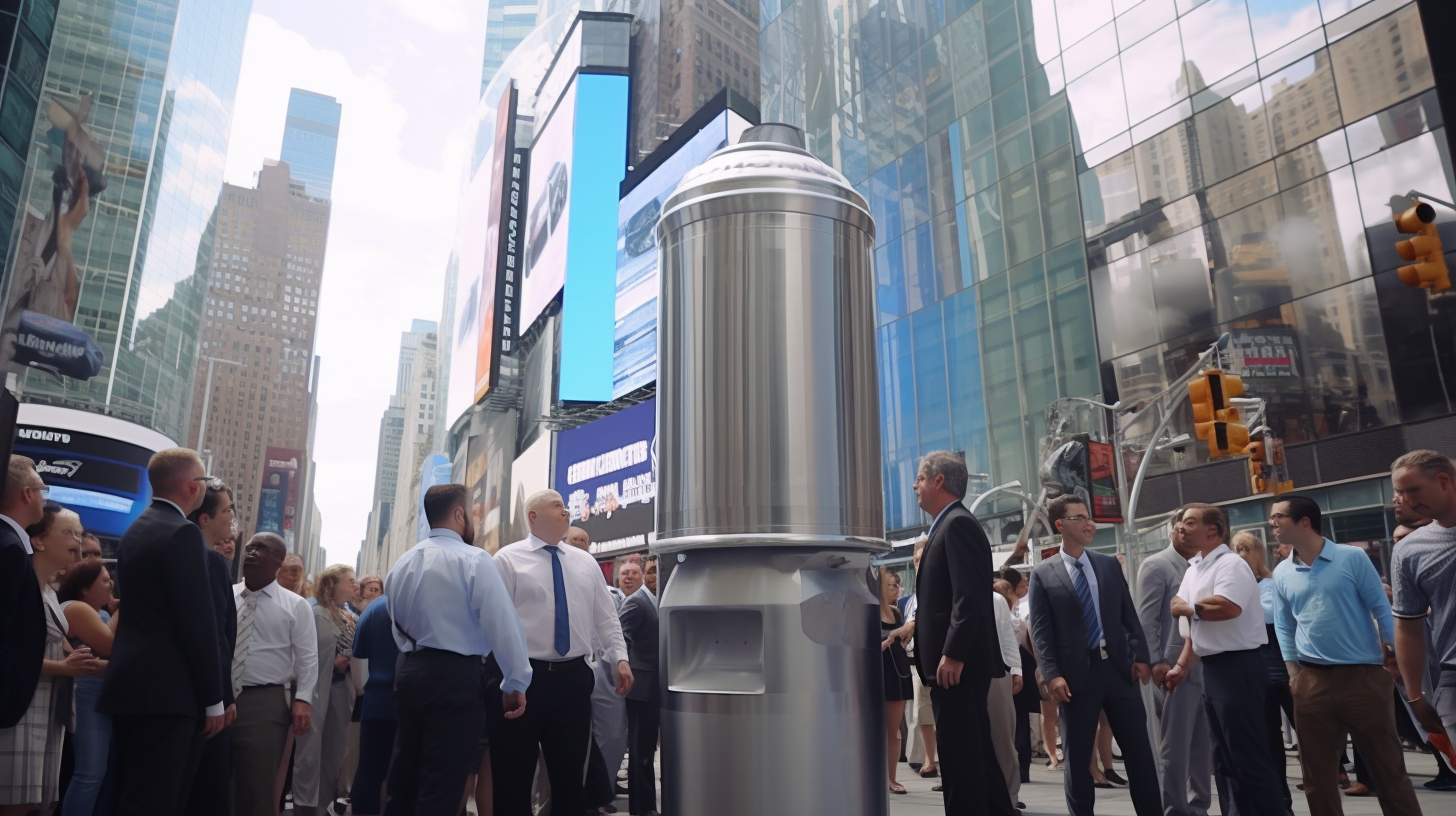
1044, 794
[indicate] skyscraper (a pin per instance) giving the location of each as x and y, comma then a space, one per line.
28, 37
261, 310
311, 140
507, 23
155, 83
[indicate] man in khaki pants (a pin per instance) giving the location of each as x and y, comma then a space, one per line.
1338, 638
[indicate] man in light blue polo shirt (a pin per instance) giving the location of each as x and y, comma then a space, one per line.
1338, 638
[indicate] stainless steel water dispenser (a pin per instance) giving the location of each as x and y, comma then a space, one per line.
769, 504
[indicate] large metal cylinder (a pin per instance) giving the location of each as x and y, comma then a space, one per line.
767, 401
769, 504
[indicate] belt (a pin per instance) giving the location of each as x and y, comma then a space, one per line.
263, 686
1230, 654
428, 650
558, 665
1099, 653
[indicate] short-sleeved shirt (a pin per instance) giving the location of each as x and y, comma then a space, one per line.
1423, 571
1228, 576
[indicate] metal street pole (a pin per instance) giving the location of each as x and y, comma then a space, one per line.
207, 403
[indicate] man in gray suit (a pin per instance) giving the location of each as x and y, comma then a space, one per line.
1185, 747
639, 629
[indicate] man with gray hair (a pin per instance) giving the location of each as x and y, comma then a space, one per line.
957, 648
562, 601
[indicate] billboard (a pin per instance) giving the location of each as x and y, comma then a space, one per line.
486, 472
1087, 470
599, 162
529, 473
505, 205
95, 465
607, 473
45, 286
549, 212
278, 495
634, 334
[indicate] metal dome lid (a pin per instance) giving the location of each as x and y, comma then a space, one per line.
769, 160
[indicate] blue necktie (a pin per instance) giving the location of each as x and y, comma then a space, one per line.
1089, 608
563, 615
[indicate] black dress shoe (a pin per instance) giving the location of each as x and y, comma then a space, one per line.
1103, 785
1021, 806
1113, 777
1444, 782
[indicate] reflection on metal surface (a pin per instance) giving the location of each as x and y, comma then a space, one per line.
769, 488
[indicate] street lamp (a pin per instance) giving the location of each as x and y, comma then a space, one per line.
207, 402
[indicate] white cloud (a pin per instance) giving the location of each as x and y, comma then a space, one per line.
396, 181
444, 16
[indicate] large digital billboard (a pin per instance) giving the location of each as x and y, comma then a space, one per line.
548, 208
634, 334
278, 495
607, 473
505, 205
95, 465
530, 473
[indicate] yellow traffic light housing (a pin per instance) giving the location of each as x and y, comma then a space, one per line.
1429, 272
1215, 419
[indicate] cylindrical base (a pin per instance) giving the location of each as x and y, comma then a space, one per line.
773, 699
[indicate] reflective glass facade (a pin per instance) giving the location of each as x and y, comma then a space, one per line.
507, 23
25, 40
1075, 197
161, 76
311, 139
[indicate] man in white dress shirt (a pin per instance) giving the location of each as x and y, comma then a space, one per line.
448, 609
562, 601
276, 645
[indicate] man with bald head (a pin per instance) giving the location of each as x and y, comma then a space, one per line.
276, 645
562, 601
163, 687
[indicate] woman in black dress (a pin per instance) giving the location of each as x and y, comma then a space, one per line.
898, 672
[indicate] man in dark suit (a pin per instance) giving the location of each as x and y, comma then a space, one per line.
956, 645
211, 787
639, 629
22, 613
164, 687
1092, 652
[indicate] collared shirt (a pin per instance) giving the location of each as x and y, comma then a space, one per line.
941, 515
912, 606
1328, 612
1228, 576
175, 505
20, 531
1006, 633
448, 595
284, 643
1086, 561
525, 566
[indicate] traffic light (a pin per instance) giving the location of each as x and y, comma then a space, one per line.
1430, 270
1215, 419
1257, 463
1266, 466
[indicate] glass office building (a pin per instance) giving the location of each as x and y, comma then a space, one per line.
311, 140
25, 41
160, 78
1076, 197
507, 24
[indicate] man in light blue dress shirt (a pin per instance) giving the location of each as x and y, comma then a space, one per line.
1337, 636
448, 609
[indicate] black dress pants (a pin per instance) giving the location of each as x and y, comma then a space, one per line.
157, 760
1108, 689
970, 775
212, 785
556, 726
600, 787
1234, 695
437, 697
644, 719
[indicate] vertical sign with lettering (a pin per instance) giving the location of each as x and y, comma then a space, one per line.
495, 276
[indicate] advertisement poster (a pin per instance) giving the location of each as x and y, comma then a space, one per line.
634, 346
1102, 476
1265, 352
278, 497
548, 216
39, 327
607, 473
104, 480
487, 477
503, 201
435, 470
529, 473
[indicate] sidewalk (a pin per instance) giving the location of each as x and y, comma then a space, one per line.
1043, 796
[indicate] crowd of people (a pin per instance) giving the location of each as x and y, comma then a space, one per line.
1217, 648
282, 693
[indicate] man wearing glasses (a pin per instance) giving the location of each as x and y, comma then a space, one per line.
164, 686
1093, 653
22, 613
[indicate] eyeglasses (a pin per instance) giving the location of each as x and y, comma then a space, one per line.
44, 490
1076, 519
1275, 517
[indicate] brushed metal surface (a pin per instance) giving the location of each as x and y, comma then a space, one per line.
768, 410
810, 739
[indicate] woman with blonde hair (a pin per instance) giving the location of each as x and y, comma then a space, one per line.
319, 754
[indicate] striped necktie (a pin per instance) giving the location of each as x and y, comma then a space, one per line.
246, 612
1089, 608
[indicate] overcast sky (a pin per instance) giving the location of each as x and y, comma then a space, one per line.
407, 73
